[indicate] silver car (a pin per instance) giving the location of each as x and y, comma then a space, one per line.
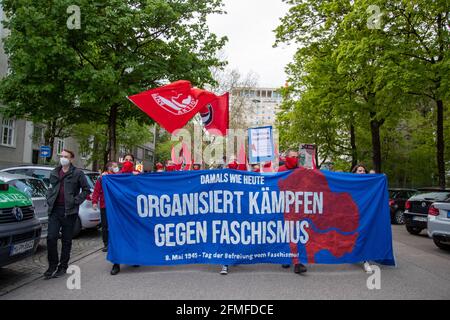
87, 217
36, 190
439, 224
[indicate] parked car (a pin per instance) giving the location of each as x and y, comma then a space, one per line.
20, 229
416, 208
397, 201
439, 224
87, 217
36, 190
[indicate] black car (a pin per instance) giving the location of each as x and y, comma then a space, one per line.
416, 208
397, 201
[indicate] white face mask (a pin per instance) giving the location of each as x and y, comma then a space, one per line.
115, 169
64, 161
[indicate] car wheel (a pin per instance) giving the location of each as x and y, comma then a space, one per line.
76, 228
441, 245
413, 230
399, 218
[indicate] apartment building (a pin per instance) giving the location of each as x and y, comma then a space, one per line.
262, 102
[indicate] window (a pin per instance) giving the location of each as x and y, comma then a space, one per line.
38, 135
59, 146
34, 188
8, 132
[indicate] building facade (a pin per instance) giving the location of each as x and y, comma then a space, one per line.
262, 102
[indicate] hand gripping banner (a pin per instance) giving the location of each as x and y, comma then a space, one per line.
235, 217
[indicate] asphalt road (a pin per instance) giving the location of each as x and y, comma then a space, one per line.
423, 272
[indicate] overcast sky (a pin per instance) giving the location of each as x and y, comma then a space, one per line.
249, 27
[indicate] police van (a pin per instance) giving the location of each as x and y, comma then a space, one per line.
20, 229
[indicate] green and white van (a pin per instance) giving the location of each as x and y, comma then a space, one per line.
20, 229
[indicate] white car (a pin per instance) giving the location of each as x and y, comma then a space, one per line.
439, 224
87, 217
36, 190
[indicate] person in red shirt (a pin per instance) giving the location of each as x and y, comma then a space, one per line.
159, 167
99, 199
291, 163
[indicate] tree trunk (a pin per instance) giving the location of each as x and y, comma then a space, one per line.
95, 162
49, 138
376, 143
440, 145
353, 146
112, 142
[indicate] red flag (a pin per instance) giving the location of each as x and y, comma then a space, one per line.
173, 105
215, 115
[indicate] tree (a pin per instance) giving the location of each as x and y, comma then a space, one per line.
387, 70
123, 47
92, 138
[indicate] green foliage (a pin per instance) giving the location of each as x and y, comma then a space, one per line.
379, 86
123, 47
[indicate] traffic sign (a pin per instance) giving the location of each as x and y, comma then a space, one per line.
45, 152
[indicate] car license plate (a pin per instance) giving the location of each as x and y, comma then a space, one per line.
421, 219
22, 247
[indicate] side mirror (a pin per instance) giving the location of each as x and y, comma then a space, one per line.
4, 187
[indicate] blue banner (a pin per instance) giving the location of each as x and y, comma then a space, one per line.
235, 217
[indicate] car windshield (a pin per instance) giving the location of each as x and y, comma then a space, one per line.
34, 188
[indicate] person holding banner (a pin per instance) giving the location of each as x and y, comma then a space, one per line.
361, 169
256, 167
98, 198
128, 164
233, 165
159, 167
128, 167
291, 163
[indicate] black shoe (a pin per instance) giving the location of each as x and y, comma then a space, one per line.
105, 249
115, 269
299, 268
49, 273
61, 272
285, 266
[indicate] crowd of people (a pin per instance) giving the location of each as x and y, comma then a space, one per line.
69, 188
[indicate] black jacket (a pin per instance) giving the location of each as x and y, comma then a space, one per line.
76, 189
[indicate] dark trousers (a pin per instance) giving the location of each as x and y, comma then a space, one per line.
58, 222
104, 226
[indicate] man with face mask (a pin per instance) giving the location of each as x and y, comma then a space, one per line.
99, 198
291, 163
68, 189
